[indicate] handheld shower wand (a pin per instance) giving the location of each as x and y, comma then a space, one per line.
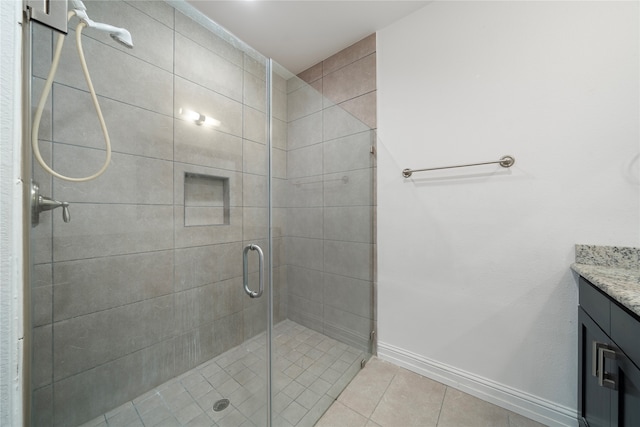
119, 34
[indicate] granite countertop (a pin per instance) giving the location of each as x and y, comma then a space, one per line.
614, 270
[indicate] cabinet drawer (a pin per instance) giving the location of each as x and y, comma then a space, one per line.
625, 331
596, 304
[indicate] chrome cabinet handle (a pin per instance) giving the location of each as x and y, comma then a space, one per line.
606, 379
245, 270
595, 355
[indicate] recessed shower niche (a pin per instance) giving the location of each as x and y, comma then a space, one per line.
206, 200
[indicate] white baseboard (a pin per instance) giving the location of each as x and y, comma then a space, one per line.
525, 404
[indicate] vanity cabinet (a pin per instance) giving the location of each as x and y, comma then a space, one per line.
609, 360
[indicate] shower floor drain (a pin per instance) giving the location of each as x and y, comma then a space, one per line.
220, 405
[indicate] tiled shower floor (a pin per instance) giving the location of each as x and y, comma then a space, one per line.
309, 372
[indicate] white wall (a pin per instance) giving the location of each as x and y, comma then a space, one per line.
10, 230
474, 283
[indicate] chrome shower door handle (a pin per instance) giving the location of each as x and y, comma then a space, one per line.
245, 270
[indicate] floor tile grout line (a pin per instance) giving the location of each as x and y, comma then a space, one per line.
444, 396
381, 397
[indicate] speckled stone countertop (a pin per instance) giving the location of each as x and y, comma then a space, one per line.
615, 270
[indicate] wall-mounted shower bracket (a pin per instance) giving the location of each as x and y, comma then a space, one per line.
41, 203
52, 13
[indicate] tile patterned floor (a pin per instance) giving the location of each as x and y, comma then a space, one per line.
309, 372
310, 375
385, 395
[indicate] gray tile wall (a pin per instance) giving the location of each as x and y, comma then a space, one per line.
125, 296
329, 198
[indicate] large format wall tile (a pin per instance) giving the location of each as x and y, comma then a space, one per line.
352, 80
304, 252
128, 179
42, 372
256, 64
254, 190
152, 40
302, 102
138, 329
205, 304
204, 146
207, 264
338, 123
255, 125
306, 283
348, 259
305, 131
348, 294
112, 229
279, 134
353, 53
208, 39
345, 222
192, 96
228, 332
158, 10
254, 158
88, 341
254, 317
364, 108
255, 91
87, 286
210, 70
278, 163
306, 312
256, 224
306, 161
195, 347
202, 235
131, 129
350, 223
45, 129
42, 45
42, 407
41, 245
41, 294
350, 328
300, 192
82, 397
140, 294
348, 153
145, 85
305, 222
353, 188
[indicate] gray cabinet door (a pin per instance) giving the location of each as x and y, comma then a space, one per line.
594, 401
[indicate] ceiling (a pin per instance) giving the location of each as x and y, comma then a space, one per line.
300, 33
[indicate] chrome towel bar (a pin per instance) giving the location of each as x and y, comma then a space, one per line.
505, 162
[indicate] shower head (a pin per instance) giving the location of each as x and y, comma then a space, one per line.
120, 35
123, 37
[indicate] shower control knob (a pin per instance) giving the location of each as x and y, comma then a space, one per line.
41, 203
66, 215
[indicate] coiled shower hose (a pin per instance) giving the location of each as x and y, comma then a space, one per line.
43, 99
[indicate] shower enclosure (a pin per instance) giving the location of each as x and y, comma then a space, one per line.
138, 311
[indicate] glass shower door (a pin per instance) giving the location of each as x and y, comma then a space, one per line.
323, 242
144, 306
138, 309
